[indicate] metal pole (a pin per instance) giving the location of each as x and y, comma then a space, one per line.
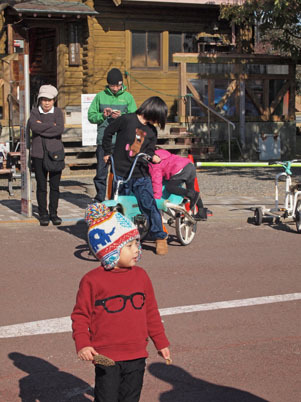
229, 142
242, 113
27, 86
24, 106
209, 133
27, 133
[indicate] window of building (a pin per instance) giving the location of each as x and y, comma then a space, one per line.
220, 89
181, 42
146, 49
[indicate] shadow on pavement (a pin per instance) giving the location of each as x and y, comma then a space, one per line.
83, 253
191, 389
78, 199
13, 205
46, 383
79, 229
288, 226
148, 247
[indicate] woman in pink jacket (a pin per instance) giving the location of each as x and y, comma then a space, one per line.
176, 170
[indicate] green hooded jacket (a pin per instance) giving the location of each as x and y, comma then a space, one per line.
122, 101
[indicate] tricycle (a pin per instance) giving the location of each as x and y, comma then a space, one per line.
291, 208
171, 206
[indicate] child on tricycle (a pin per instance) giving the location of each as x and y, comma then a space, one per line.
176, 170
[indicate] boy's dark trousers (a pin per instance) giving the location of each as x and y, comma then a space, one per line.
120, 383
142, 188
100, 180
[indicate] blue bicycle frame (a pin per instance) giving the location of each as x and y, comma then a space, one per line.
129, 202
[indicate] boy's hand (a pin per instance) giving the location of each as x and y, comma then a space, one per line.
107, 112
115, 114
165, 353
87, 353
156, 159
106, 158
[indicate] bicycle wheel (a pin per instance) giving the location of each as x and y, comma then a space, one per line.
185, 230
298, 216
258, 216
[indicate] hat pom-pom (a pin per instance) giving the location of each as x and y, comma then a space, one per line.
95, 212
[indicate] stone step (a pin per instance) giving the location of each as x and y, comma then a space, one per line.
74, 161
80, 149
78, 155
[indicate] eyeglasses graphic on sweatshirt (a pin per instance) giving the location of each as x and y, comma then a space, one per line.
117, 303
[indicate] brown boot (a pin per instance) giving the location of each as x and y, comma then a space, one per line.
161, 246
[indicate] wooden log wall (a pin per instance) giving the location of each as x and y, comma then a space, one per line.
108, 45
2, 51
70, 77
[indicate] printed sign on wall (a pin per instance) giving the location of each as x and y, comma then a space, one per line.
89, 130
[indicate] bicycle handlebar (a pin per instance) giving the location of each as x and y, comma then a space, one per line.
143, 155
283, 163
286, 165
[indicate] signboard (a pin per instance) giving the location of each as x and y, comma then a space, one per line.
74, 45
26, 204
89, 130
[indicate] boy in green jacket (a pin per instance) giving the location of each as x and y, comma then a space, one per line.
107, 105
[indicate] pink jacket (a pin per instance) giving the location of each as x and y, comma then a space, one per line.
169, 166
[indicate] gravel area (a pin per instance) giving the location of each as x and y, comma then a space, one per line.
240, 181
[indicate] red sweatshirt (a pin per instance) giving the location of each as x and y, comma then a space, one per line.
120, 335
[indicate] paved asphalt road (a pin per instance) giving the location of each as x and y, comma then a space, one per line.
246, 349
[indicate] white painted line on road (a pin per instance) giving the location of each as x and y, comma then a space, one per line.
52, 326
63, 324
230, 304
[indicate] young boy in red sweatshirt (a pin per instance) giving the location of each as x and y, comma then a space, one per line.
116, 310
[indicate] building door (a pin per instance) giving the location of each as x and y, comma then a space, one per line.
42, 59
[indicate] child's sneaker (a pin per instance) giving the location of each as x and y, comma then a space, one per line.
201, 215
161, 246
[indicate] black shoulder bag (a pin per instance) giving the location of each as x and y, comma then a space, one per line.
53, 161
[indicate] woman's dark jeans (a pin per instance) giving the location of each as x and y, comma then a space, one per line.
54, 184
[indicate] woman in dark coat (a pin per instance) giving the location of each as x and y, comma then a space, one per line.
46, 121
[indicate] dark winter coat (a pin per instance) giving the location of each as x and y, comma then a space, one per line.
51, 128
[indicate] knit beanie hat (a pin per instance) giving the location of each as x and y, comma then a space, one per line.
108, 232
114, 77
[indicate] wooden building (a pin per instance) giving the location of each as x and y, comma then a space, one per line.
251, 98
52, 33
73, 45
